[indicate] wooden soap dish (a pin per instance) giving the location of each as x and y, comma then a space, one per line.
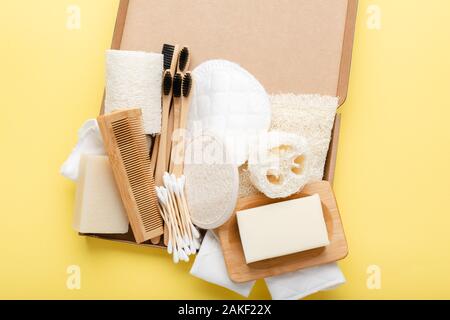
240, 271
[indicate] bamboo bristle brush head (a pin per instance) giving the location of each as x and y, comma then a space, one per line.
177, 85
167, 83
127, 148
186, 99
187, 84
184, 59
171, 54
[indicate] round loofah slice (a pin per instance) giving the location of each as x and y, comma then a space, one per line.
229, 102
280, 166
212, 182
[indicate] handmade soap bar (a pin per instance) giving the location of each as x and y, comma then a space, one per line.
282, 228
98, 207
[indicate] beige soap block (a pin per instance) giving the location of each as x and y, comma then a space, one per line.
282, 228
98, 207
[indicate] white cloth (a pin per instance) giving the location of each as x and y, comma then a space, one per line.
210, 266
299, 284
89, 142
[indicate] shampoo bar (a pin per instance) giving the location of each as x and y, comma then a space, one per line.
98, 207
282, 228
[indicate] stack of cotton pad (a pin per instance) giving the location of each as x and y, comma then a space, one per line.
133, 79
281, 165
229, 102
211, 183
309, 116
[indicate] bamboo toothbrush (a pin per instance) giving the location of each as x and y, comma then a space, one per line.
173, 57
166, 100
170, 52
177, 93
159, 161
181, 139
182, 65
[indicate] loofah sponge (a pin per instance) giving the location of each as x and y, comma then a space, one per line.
309, 116
212, 183
134, 79
280, 167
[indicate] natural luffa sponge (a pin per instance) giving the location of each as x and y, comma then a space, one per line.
212, 182
309, 116
279, 166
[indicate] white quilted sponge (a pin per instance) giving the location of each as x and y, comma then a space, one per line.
229, 102
280, 167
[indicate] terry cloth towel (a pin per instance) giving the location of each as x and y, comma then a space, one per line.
210, 266
89, 142
309, 116
133, 79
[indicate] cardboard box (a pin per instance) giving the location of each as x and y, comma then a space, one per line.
290, 46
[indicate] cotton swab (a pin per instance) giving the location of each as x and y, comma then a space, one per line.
183, 235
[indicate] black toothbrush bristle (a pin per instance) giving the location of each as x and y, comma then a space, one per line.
177, 84
187, 84
183, 58
167, 83
168, 51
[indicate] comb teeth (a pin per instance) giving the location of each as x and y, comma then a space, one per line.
167, 82
127, 148
187, 84
177, 84
168, 51
183, 58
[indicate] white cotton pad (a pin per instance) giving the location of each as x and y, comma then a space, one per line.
229, 102
280, 167
309, 116
211, 183
133, 79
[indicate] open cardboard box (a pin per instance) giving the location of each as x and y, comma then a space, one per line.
290, 46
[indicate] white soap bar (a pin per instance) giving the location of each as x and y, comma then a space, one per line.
98, 207
282, 228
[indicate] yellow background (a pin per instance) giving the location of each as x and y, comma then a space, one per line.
392, 179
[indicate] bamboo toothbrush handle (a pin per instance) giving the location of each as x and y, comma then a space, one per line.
176, 125
161, 162
170, 127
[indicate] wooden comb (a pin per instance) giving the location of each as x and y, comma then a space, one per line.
126, 145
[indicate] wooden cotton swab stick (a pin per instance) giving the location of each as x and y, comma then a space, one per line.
175, 245
184, 213
177, 222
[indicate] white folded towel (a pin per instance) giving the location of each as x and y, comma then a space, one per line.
299, 284
89, 142
210, 266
